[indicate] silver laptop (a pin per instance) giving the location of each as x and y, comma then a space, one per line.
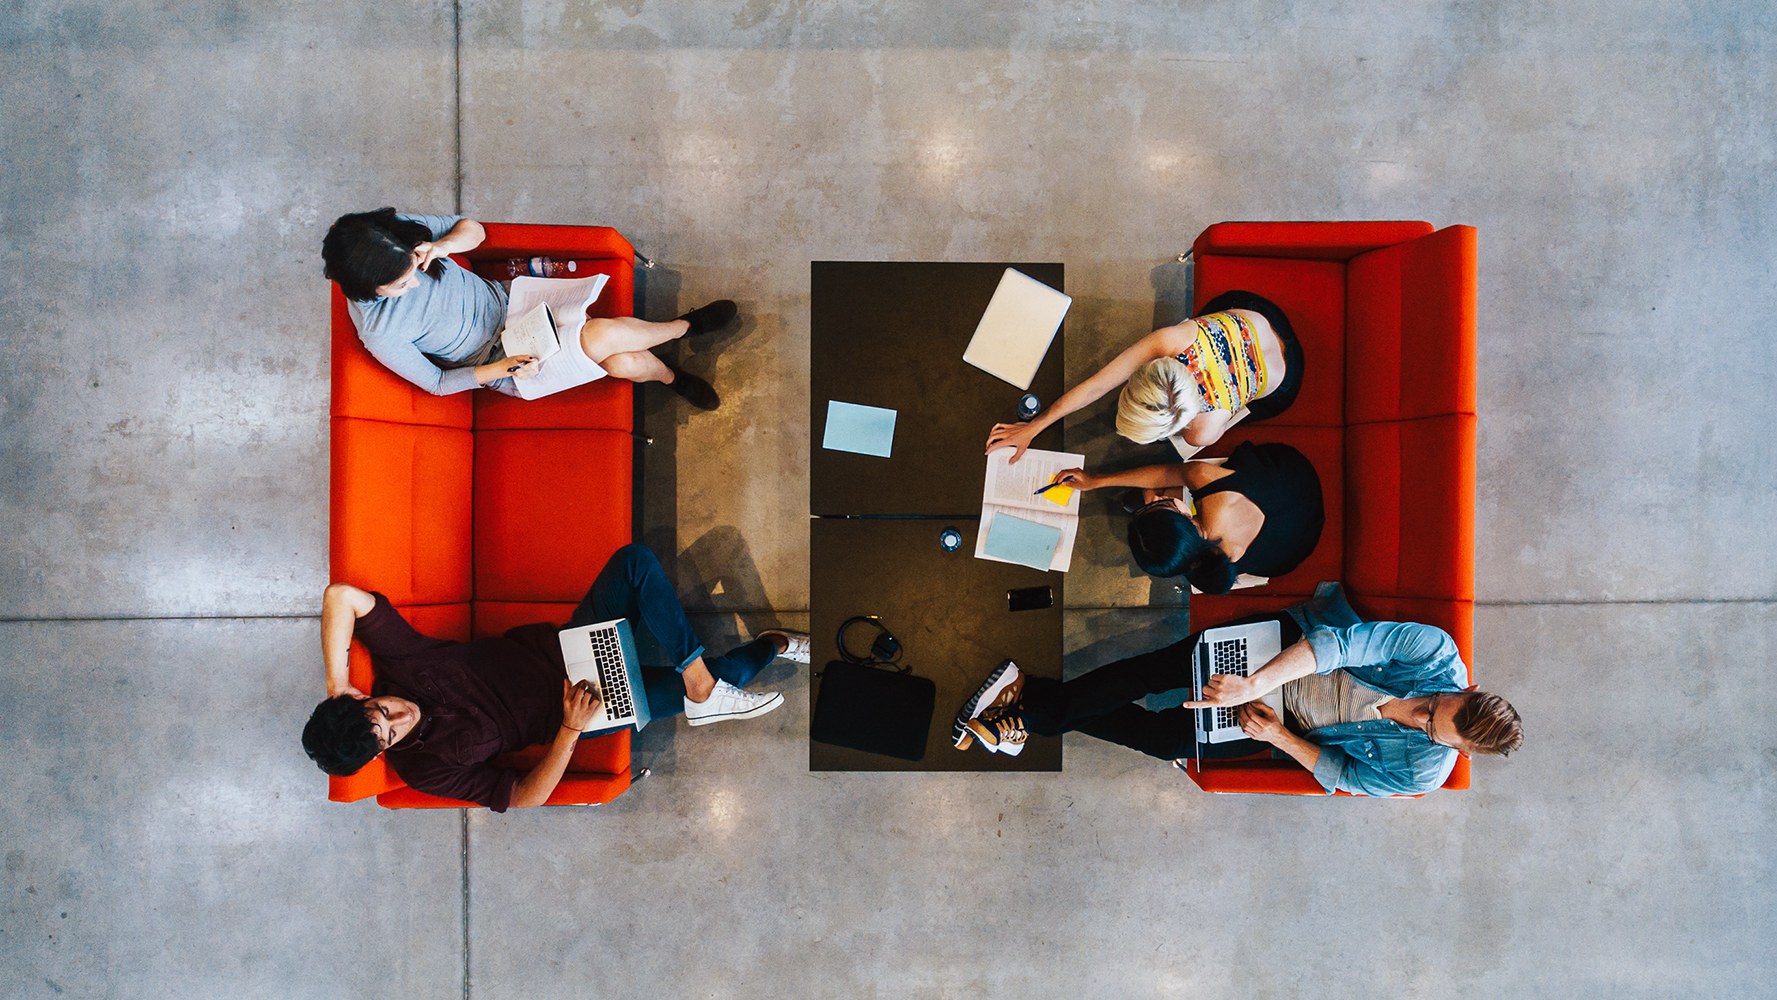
1232, 649
1017, 328
605, 654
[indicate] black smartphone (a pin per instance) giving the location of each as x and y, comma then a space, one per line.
1030, 598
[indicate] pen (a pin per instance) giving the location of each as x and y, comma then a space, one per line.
1038, 493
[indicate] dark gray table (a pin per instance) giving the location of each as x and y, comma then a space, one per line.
893, 335
949, 611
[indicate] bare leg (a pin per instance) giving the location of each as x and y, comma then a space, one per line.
638, 366
604, 336
698, 682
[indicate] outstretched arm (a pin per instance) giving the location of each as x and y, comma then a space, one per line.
1223, 690
341, 606
1019, 436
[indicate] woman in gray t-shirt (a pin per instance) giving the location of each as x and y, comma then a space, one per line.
437, 324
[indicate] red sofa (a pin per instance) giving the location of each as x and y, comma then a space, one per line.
428, 493
1385, 312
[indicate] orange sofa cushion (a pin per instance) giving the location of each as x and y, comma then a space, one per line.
1409, 508
1312, 294
400, 509
550, 509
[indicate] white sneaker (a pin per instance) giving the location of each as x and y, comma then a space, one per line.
728, 703
797, 650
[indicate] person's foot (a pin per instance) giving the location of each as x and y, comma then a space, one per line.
694, 390
1002, 688
792, 646
711, 317
1000, 729
728, 703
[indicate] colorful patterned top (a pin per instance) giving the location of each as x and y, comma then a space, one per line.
1226, 360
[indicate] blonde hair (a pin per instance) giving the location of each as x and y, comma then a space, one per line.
1489, 724
1158, 401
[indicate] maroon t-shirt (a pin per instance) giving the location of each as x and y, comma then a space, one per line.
477, 700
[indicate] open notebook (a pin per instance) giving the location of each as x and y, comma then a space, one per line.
1018, 527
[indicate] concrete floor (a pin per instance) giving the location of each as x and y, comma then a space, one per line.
170, 171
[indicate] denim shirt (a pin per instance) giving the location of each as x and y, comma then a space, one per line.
1406, 660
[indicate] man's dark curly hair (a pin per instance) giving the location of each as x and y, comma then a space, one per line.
338, 736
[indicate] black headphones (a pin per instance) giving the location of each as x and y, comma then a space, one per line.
885, 649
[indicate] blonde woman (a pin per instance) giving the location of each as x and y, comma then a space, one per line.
1190, 379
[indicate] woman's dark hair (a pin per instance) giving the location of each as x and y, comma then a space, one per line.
1166, 543
338, 736
367, 250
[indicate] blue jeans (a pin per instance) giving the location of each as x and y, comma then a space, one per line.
634, 586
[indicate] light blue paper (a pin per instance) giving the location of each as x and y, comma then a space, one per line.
1026, 543
866, 430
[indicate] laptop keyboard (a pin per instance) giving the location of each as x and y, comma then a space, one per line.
1228, 657
607, 653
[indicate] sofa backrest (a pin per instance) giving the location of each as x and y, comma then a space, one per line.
1410, 329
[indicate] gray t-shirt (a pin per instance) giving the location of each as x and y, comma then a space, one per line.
1330, 699
426, 334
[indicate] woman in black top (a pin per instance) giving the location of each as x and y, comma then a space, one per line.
1260, 513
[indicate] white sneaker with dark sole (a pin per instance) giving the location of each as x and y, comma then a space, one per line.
728, 703
989, 695
796, 644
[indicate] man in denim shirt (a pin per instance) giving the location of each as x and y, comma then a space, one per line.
1396, 731
1374, 708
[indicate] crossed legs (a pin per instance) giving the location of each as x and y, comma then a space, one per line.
622, 345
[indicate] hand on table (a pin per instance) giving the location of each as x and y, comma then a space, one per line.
1016, 436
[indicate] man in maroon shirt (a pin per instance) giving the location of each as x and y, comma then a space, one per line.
443, 710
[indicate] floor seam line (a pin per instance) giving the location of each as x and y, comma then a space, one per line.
465, 901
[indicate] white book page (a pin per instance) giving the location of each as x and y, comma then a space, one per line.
1068, 523
1015, 485
568, 299
532, 332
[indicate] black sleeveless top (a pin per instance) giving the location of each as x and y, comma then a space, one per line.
1282, 483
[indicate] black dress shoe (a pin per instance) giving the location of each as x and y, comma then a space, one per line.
710, 318
694, 390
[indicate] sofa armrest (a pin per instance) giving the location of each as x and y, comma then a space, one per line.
1304, 240
572, 790
1264, 777
518, 239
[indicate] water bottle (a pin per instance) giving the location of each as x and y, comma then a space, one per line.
540, 267
1028, 405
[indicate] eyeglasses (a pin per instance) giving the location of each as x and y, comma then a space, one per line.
1431, 718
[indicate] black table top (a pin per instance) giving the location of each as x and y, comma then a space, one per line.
893, 335
948, 609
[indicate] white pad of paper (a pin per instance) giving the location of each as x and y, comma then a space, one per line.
1017, 328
